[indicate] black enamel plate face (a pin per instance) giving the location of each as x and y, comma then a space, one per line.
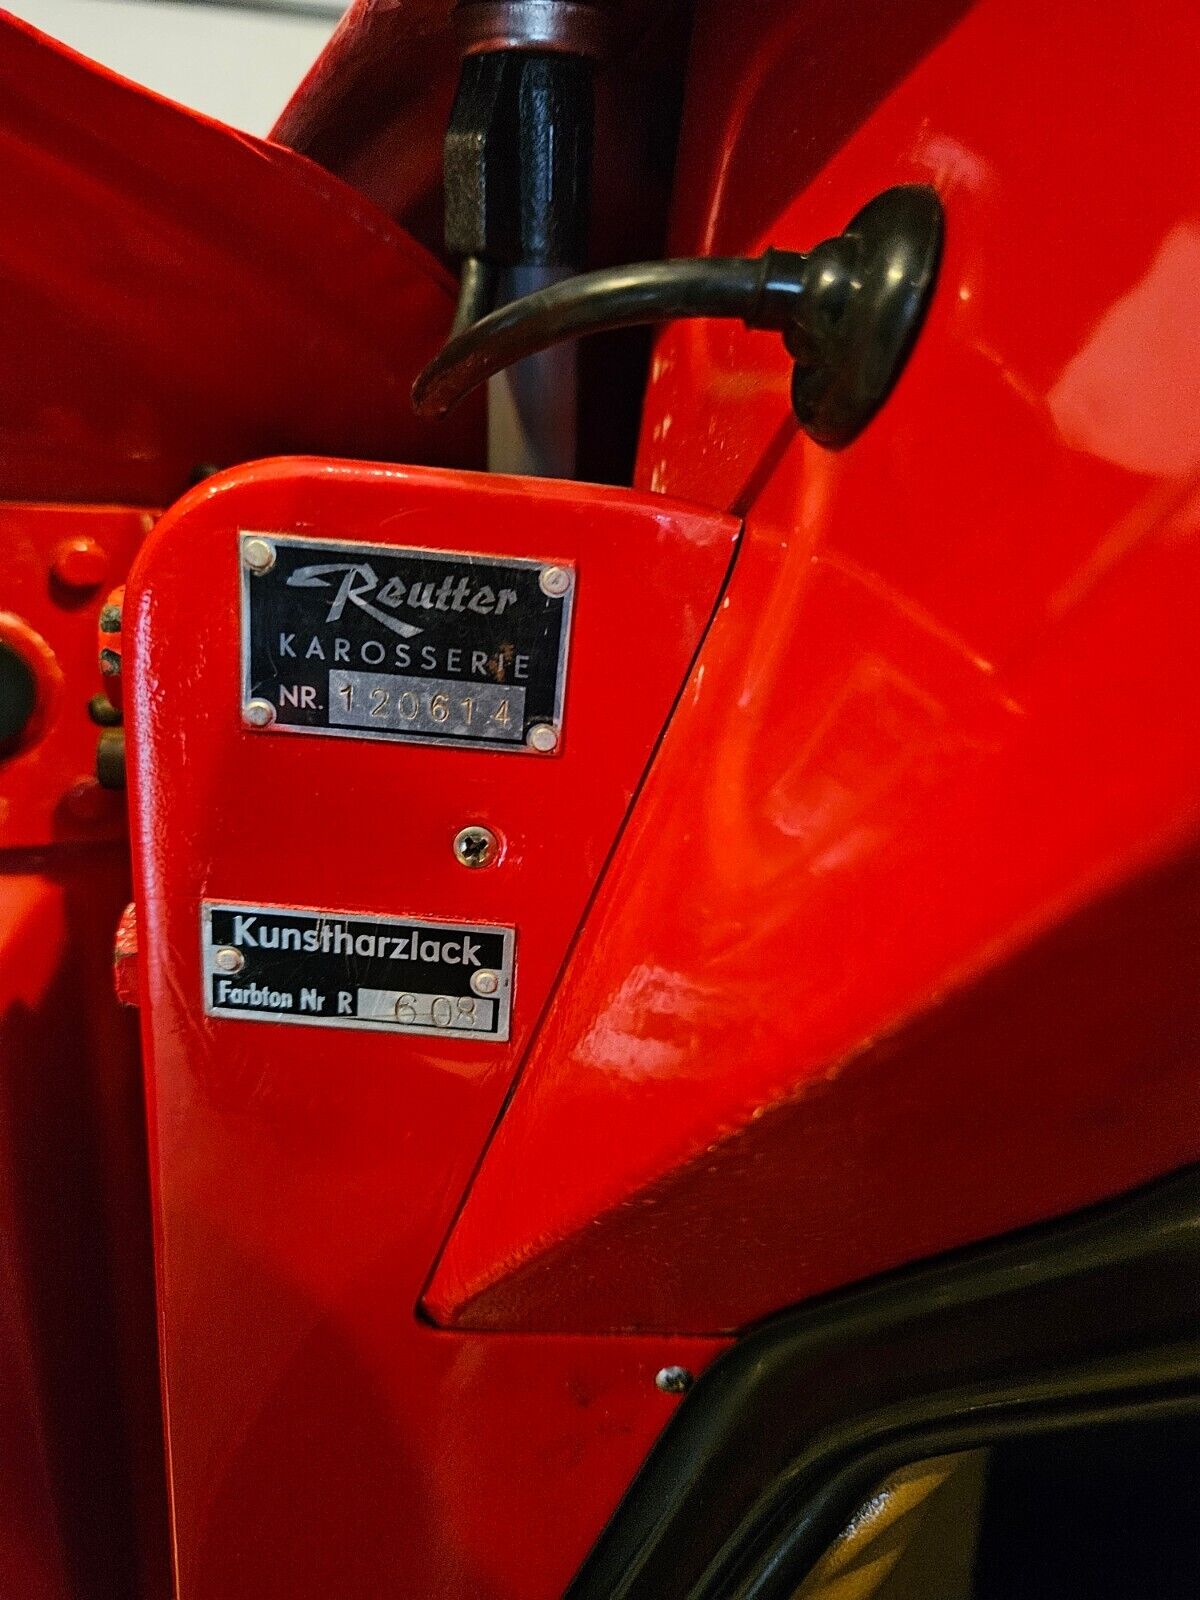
429, 646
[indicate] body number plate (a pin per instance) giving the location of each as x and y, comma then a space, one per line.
336, 969
374, 642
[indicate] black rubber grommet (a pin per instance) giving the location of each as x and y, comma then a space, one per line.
878, 293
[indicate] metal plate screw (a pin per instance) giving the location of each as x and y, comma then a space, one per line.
485, 982
475, 846
258, 713
673, 1380
258, 555
229, 959
542, 737
554, 581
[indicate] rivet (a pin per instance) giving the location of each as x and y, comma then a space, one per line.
475, 846
258, 713
673, 1380
542, 737
554, 581
258, 554
228, 959
485, 982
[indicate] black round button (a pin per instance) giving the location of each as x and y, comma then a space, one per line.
18, 695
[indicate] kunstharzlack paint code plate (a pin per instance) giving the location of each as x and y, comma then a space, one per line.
340, 969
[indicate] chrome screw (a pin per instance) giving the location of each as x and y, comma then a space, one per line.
229, 959
258, 554
475, 846
673, 1380
554, 581
258, 713
485, 982
542, 737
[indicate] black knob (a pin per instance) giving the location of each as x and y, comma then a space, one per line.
18, 696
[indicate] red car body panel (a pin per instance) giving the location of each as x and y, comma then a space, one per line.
949, 699
305, 1177
857, 914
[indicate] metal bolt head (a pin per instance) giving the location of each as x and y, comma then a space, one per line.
228, 959
110, 758
673, 1380
475, 845
485, 982
554, 581
258, 554
79, 563
258, 713
542, 737
87, 803
103, 713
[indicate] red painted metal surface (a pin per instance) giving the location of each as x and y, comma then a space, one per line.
179, 295
82, 1501
897, 947
48, 789
322, 1438
126, 966
81, 1481
948, 701
34, 1559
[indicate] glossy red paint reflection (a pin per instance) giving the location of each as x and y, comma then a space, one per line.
179, 296
321, 1437
948, 701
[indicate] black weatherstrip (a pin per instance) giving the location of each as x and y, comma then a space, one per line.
1092, 1321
